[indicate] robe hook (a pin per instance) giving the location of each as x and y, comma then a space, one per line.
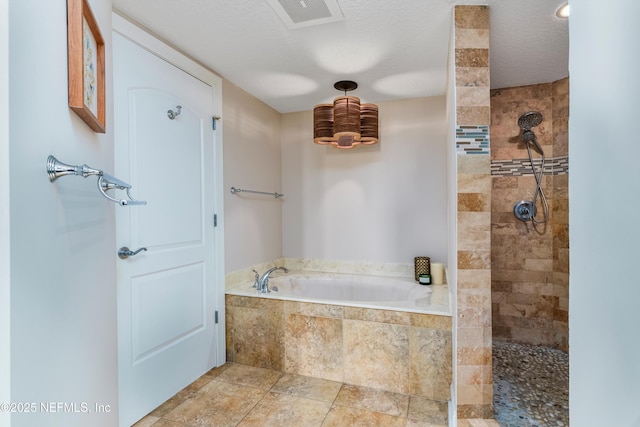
173, 114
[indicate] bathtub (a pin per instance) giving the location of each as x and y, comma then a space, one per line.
390, 334
354, 290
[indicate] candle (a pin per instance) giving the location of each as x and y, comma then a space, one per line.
437, 273
421, 264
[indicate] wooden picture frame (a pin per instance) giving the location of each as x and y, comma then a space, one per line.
86, 65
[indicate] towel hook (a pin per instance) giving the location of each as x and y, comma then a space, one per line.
173, 114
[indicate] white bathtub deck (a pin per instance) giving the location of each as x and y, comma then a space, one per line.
434, 302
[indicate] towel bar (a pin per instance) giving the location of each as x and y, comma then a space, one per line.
56, 169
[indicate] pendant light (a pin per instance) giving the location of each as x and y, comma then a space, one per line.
346, 123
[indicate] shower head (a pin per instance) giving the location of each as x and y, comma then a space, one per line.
526, 122
530, 120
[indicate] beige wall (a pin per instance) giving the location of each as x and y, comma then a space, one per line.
253, 223
530, 265
379, 203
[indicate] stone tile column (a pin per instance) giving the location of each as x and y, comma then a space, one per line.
474, 382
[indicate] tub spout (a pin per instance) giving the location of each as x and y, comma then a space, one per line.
264, 279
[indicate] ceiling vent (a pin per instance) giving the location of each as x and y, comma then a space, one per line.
305, 13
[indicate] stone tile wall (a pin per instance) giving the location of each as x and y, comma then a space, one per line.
530, 265
401, 352
474, 383
560, 226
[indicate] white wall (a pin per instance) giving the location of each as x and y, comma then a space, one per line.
381, 203
63, 253
604, 184
5, 225
253, 223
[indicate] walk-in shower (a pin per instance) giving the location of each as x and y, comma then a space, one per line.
526, 210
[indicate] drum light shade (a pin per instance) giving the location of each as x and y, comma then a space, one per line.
346, 123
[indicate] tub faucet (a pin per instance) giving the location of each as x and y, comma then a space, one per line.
264, 279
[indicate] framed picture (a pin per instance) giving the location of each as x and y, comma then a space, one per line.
86, 65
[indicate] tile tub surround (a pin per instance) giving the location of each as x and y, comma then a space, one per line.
399, 352
324, 265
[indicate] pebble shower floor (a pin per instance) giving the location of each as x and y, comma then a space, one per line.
530, 385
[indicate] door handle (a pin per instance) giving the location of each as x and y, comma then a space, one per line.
124, 252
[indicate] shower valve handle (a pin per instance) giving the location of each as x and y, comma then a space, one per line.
524, 210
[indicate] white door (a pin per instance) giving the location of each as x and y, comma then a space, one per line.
166, 294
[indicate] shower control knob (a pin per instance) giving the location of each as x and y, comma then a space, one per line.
524, 210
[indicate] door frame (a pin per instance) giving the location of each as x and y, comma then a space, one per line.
136, 34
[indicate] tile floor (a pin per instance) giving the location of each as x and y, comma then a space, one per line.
239, 395
531, 385
526, 379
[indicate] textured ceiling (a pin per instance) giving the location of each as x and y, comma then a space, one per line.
393, 49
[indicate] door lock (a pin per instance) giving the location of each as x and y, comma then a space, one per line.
124, 252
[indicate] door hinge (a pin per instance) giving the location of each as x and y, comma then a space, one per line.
215, 220
215, 316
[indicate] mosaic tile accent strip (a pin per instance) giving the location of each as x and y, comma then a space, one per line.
472, 139
522, 167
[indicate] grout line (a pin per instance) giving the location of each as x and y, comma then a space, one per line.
333, 402
254, 406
